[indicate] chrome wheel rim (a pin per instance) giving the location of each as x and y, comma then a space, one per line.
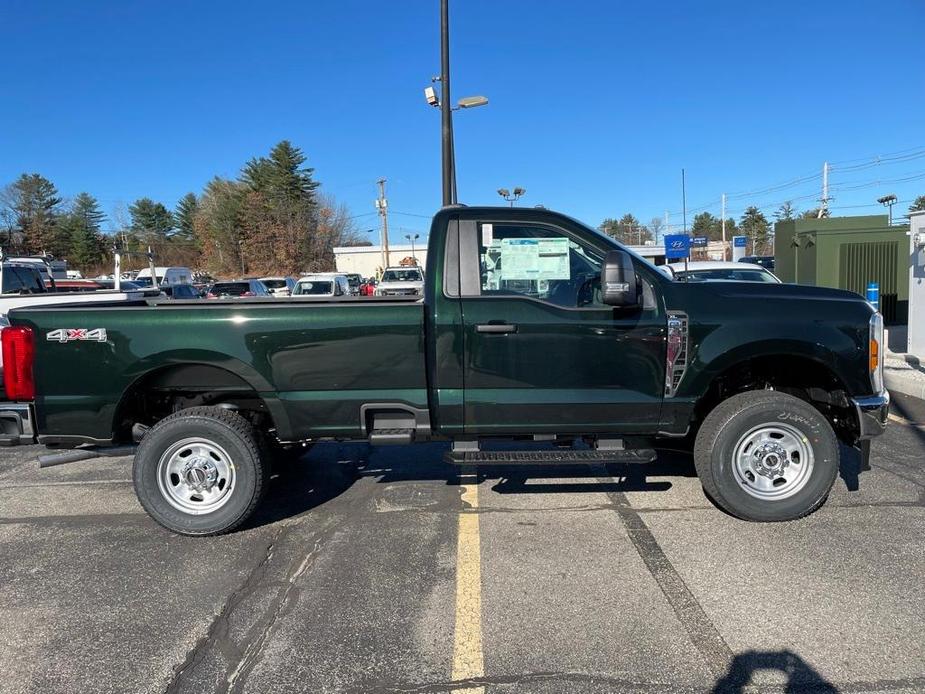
773, 461
196, 476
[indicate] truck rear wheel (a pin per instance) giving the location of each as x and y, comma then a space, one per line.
766, 456
200, 471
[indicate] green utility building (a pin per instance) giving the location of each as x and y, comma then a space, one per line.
847, 253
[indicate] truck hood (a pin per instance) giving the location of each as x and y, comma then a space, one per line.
756, 291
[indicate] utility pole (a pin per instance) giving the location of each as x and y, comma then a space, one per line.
446, 113
667, 224
824, 206
684, 199
723, 218
383, 206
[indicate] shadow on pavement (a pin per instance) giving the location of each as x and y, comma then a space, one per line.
800, 676
330, 469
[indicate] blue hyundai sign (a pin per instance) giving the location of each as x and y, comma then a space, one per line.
677, 246
699, 241
739, 241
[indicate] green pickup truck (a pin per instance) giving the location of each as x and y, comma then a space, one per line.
532, 327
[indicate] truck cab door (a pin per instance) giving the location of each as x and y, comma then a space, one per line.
542, 353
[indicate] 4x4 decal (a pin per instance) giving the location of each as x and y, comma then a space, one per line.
71, 334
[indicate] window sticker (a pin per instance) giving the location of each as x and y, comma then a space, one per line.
488, 233
534, 259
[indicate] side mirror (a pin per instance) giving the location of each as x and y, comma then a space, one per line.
618, 280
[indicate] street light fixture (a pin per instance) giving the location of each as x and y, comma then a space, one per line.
443, 102
512, 197
888, 201
412, 239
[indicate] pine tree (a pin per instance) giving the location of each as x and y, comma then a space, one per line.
185, 216
35, 207
150, 220
785, 212
705, 224
82, 224
280, 176
918, 204
627, 230
755, 226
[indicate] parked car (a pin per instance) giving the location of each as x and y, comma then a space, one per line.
23, 278
166, 276
354, 280
765, 261
181, 291
721, 270
322, 284
235, 289
534, 326
278, 286
368, 287
52, 269
401, 281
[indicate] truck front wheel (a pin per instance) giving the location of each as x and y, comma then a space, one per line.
766, 456
200, 471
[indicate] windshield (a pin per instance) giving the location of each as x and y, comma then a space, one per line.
146, 281
730, 274
274, 284
354, 280
409, 275
229, 289
315, 287
611, 242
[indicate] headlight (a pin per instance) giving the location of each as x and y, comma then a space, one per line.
875, 352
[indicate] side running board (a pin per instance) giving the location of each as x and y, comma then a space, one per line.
561, 457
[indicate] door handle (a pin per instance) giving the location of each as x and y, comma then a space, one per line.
495, 328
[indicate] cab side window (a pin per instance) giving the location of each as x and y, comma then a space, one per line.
12, 282
540, 262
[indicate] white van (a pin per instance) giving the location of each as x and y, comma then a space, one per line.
166, 276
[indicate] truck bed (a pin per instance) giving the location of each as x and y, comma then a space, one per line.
313, 361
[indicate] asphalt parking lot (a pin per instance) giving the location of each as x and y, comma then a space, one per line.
386, 570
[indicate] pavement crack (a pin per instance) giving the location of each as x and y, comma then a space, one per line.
264, 627
217, 635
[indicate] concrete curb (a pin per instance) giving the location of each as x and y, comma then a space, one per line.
902, 377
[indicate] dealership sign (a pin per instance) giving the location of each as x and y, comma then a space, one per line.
677, 246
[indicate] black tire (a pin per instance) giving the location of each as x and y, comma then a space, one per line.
222, 428
732, 420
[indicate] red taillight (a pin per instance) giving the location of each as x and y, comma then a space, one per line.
18, 358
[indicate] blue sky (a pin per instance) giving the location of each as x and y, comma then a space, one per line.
594, 106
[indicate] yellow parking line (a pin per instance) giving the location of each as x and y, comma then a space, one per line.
468, 660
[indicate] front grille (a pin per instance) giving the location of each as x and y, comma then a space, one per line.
399, 292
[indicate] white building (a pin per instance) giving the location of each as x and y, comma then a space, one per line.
365, 260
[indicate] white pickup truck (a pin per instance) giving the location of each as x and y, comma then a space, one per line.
401, 281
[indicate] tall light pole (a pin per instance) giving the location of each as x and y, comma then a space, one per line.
447, 147
446, 114
510, 196
412, 239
